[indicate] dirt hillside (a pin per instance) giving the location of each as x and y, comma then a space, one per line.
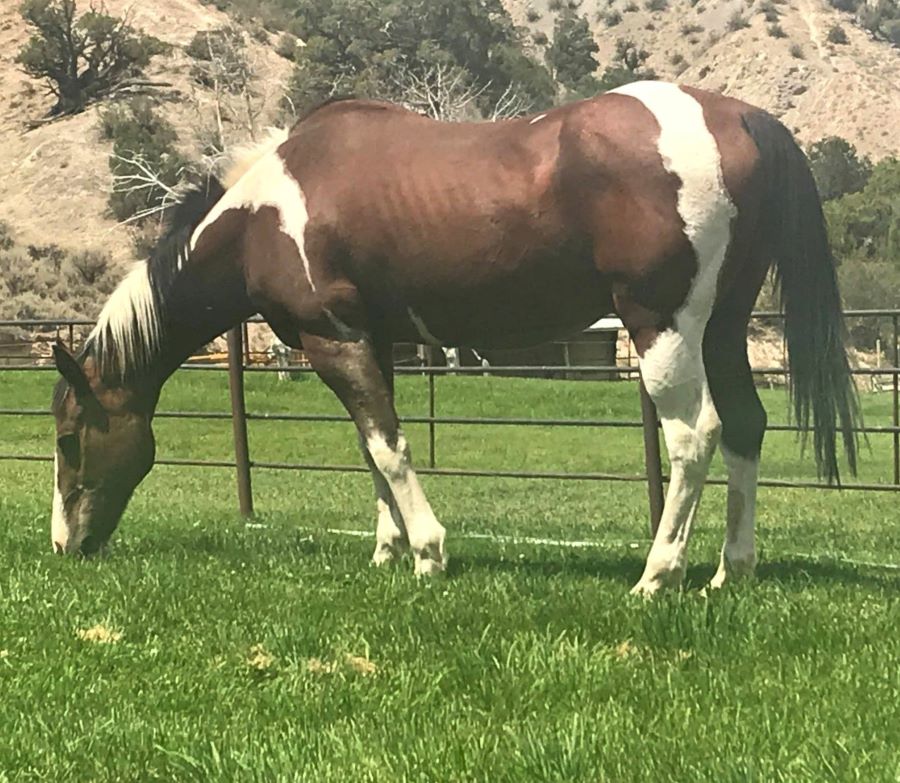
54, 179
850, 90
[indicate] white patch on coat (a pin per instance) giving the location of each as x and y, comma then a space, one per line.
422, 328
537, 119
244, 156
689, 151
425, 533
59, 530
672, 368
128, 325
738, 557
267, 183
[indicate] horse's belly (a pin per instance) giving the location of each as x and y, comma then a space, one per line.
519, 307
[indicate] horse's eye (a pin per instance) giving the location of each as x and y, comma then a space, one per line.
69, 447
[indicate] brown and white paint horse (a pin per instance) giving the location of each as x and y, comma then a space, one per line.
368, 224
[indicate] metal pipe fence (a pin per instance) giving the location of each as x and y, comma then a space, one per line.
239, 363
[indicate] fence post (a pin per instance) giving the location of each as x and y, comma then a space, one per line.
239, 418
432, 459
896, 400
652, 458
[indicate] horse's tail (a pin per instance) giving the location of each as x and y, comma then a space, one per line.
820, 380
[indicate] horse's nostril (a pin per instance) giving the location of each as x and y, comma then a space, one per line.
59, 549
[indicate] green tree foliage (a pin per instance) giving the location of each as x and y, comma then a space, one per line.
81, 59
866, 224
359, 47
628, 65
864, 231
572, 55
144, 163
837, 167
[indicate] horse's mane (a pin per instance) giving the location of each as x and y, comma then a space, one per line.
129, 330
129, 327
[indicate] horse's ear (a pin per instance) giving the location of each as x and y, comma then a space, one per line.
72, 371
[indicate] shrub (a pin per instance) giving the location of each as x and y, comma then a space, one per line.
777, 31
47, 281
737, 21
837, 35
656, 5
689, 29
769, 11
533, 15
540, 38
555, 5
796, 51
612, 18
287, 46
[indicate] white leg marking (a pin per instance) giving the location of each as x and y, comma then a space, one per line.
673, 367
267, 183
59, 530
674, 375
390, 541
537, 119
739, 551
426, 534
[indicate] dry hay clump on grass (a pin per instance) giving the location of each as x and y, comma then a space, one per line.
99, 634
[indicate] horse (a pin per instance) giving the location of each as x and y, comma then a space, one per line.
367, 224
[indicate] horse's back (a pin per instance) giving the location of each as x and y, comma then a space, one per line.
529, 220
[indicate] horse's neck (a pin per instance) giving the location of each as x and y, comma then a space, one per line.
206, 299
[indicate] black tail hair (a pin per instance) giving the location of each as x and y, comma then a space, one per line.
820, 380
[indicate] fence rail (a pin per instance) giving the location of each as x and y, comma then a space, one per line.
239, 364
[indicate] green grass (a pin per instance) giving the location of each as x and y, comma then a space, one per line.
529, 663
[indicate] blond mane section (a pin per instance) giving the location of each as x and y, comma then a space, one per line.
242, 157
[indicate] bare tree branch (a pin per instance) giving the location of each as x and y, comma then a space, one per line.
134, 174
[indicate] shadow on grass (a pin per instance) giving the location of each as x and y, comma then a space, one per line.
792, 572
583, 563
812, 572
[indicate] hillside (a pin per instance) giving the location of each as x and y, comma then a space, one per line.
850, 90
54, 179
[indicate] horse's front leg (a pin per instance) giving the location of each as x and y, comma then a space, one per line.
351, 369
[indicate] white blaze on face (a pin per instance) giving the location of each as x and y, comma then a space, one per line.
267, 183
59, 530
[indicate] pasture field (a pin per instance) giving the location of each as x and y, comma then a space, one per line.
201, 648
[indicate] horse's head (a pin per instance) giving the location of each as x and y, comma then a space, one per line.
104, 447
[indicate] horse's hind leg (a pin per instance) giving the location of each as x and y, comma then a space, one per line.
743, 427
674, 374
351, 369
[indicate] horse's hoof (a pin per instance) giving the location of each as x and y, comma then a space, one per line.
426, 567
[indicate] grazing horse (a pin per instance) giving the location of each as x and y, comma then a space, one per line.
368, 224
